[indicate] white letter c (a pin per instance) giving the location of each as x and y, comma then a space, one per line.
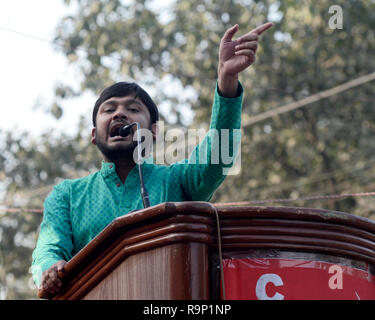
260, 289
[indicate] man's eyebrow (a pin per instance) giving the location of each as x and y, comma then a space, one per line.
132, 101
127, 102
109, 102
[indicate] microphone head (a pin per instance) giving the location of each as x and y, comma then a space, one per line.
126, 130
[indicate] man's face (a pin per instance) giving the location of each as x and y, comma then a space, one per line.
113, 114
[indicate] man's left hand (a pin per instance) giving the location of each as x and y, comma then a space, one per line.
237, 55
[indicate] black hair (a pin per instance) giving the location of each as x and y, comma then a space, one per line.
122, 89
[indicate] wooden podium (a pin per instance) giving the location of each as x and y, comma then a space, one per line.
170, 251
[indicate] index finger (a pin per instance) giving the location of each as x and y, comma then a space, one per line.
259, 30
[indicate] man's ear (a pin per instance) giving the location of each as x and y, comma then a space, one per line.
93, 139
154, 130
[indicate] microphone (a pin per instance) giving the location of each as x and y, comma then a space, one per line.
124, 132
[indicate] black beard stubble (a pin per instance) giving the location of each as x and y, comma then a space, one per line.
115, 153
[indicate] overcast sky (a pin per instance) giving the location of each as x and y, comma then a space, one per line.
29, 68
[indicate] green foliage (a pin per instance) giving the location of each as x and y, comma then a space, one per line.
31, 169
322, 148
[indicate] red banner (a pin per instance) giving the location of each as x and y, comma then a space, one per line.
293, 279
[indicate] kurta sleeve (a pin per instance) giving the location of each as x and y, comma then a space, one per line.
211, 160
55, 235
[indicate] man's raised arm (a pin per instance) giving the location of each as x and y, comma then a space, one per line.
208, 163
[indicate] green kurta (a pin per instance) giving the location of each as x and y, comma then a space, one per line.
77, 210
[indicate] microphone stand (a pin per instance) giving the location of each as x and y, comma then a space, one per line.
144, 193
125, 131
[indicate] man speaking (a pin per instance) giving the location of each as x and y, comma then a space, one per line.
77, 210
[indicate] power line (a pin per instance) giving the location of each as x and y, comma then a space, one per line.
310, 99
253, 202
54, 42
25, 35
309, 198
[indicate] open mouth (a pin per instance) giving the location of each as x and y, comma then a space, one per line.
115, 130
